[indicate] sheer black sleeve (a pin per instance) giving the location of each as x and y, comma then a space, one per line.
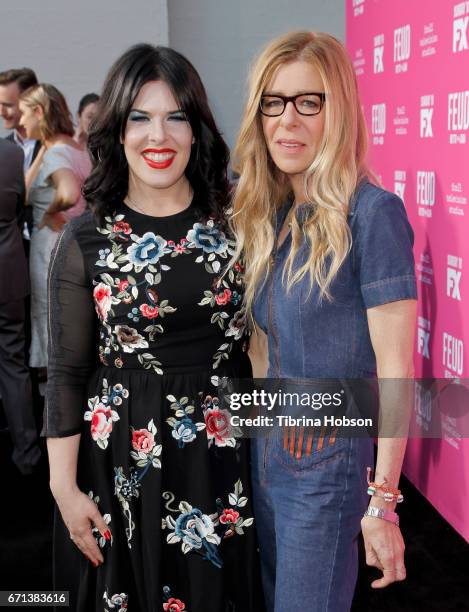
72, 338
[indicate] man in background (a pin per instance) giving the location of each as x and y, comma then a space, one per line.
15, 382
12, 84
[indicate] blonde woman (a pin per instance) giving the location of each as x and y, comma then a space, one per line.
331, 288
53, 183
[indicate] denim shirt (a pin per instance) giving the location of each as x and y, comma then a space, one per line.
313, 338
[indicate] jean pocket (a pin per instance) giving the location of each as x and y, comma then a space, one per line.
302, 448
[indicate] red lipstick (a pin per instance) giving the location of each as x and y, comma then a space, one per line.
160, 158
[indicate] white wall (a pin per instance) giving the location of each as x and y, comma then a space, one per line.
221, 37
73, 44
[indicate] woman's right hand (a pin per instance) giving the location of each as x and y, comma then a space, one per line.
55, 221
80, 514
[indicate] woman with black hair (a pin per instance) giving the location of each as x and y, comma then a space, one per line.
87, 109
149, 477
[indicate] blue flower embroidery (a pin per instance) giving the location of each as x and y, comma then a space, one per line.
147, 249
184, 431
209, 239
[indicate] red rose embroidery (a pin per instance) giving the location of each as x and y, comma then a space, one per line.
223, 298
102, 299
101, 422
217, 425
123, 285
143, 440
229, 516
149, 312
120, 227
174, 605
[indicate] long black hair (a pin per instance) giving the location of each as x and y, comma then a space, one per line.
206, 170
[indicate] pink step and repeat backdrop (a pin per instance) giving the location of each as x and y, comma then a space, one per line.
411, 58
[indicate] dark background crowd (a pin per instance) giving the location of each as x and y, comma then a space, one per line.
43, 163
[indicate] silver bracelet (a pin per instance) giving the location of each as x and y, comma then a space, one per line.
386, 515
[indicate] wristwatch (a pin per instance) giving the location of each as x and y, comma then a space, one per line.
386, 515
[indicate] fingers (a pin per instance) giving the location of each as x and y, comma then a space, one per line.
84, 539
391, 563
101, 525
389, 576
86, 543
372, 559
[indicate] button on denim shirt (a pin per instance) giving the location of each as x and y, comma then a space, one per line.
311, 337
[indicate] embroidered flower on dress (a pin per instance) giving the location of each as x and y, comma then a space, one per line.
174, 605
143, 440
229, 516
129, 338
218, 423
184, 431
101, 417
103, 300
145, 450
171, 604
184, 428
149, 312
147, 250
209, 239
237, 325
121, 227
117, 602
223, 297
196, 532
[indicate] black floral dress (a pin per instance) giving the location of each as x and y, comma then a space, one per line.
142, 327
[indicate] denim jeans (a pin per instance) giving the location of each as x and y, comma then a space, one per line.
308, 513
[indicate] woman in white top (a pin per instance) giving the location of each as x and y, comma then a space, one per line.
54, 184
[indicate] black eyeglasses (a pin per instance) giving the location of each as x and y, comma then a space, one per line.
305, 104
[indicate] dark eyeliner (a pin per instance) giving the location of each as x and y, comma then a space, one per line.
178, 116
137, 116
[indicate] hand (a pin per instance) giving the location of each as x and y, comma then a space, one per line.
384, 548
55, 221
80, 513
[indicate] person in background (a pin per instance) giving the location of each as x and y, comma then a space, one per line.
53, 183
87, 109
331, 286
12, 84
15, 383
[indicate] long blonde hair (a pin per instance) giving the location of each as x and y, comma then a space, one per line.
57, 118
330, 181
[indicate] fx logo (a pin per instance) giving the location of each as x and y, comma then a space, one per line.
460, 34
378, 64
423, 341
426, 116
453, 278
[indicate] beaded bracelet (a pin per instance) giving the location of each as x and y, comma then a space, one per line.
389, 497
389, 492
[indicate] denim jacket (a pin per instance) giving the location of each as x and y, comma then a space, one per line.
313, 338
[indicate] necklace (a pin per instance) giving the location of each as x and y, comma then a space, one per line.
128, 200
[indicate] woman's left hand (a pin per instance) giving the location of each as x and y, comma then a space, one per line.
384, 548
